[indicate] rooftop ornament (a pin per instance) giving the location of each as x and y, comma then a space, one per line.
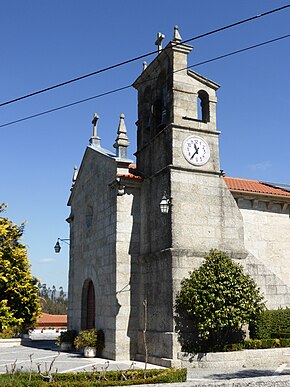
159, 40
95, 140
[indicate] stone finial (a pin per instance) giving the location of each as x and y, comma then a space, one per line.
95, 139
158, 42
144, 66
75, 175
122, 142
176, 36
95, 123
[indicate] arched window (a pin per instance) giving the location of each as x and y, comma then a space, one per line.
203, 106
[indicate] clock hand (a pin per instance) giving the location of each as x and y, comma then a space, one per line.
196, 151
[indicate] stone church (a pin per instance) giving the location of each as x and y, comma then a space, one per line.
127, 258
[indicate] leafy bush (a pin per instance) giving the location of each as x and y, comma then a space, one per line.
10, 332
271, 324
262, 343
90, 379
285, 342
90, 338
273, 343
214, 303
233, 347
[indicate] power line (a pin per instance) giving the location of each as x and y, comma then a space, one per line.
67, 105
142, 56
129, 86
239, 51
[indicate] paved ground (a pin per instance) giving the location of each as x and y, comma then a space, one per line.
206, 374
41, 354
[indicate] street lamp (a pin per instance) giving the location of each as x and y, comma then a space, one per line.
57, 246
165, 203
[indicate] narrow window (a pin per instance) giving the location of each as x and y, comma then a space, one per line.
91, 306
147, 104
89, 216
159, 105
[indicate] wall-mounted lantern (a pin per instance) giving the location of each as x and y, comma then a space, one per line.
57, 246
165, 203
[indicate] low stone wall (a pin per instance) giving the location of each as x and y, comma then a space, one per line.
5, 343
246, 358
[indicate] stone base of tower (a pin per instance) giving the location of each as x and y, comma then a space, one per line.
162, 348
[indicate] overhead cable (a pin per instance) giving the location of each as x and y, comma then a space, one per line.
129, 86
142, 56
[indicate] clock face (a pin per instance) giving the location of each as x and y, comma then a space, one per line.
196, 150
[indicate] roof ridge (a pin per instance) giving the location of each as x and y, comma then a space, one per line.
241, 178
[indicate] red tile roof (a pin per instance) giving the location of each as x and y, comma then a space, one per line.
234, 184
52, 320
130, 175
255, 186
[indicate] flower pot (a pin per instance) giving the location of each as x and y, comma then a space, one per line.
90, 352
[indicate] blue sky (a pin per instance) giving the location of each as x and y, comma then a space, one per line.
47, 42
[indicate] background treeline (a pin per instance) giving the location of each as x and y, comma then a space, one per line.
53, 301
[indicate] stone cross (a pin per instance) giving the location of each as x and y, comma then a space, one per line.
158, 42
94, 122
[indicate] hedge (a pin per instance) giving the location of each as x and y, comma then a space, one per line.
257, 344
90, 379
271, 324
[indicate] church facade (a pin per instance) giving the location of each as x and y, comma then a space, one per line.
127, 259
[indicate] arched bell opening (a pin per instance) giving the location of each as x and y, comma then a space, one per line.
203, 106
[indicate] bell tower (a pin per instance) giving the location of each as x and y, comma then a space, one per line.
178, 153
172, 98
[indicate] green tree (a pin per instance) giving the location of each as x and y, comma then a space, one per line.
19, 300
214, 303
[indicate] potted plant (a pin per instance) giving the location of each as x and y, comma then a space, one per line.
66, 340
91, 341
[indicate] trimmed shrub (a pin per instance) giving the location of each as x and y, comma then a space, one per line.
213, 304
